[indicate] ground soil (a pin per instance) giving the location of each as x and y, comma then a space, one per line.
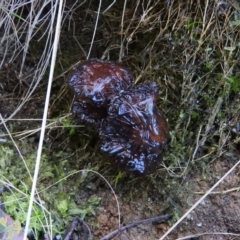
218, 213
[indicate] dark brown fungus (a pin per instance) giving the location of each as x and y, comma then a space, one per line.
89, 113
135, 131
93, 83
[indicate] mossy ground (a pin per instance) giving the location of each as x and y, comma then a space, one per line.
191, 49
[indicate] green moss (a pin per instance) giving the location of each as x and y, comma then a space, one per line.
195, 115
61, 202
234, 83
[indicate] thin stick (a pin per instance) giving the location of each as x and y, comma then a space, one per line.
70, 230
38, 159
109, 6
95, 29
221, 192
122, 23
145, 221
208, 233
75, 222
199, 201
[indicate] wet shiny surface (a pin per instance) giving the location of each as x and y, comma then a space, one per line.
94, 83
97, 80
133, 131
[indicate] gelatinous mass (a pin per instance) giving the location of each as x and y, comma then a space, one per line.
133, 131
94, 83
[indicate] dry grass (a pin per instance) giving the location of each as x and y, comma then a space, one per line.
190, 48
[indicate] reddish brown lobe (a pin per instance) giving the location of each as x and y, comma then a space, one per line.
96, 81
93, 83
133, 131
